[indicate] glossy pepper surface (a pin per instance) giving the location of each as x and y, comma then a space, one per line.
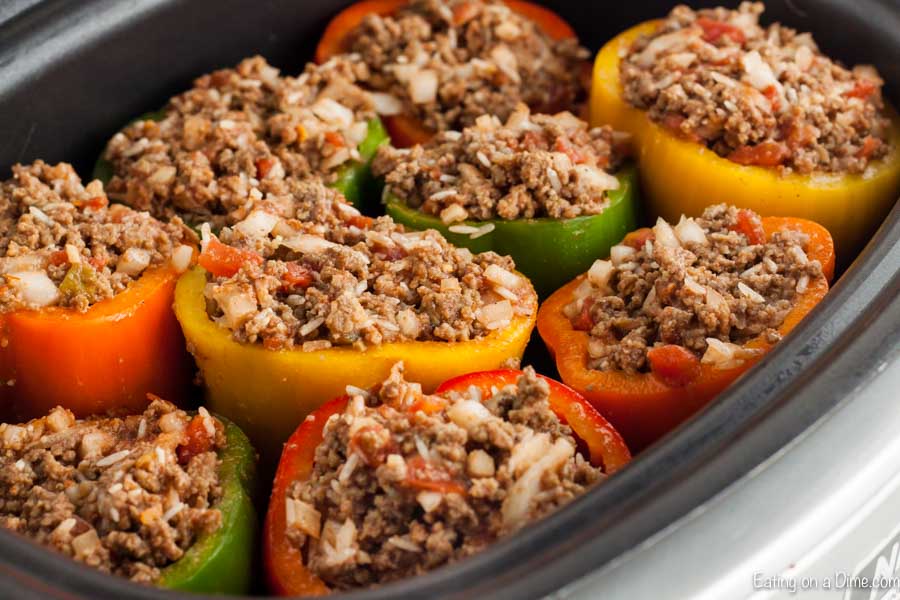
407, 130
269, 392
548, 251
645, 406
221, 562
105, 359
679, 176
286, 572
354, 179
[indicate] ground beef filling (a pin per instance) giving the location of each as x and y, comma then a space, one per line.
127, 496
396, 492
356, 282
239, 136
63, 244
708, 285
762, 96
533, 166
448, 62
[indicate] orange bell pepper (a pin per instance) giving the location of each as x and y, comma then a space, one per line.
679, 176
267, 393
642, 406
105, 359
406, 130
285, 569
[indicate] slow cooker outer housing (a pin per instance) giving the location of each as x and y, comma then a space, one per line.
73, 71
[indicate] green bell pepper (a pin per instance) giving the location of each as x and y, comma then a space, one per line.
222, 561
550, 252
354, 178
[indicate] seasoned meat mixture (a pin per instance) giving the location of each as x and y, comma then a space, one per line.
533, 166
127, 496
763, 96
238, 136
708, 285
353, 281
63, 244
396, 492
447, 62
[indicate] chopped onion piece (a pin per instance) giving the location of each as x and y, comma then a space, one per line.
35, 288
468, 414
133, 261
500, 276
386, 104
688, 231
181, 258
423, 87
600, 273
303, 516
258, 224
664, 234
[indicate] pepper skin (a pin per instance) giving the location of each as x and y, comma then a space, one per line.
105, 359
286, 573
222, 562
354, 179
406, 130
548, 251
679, 176
641, 406
269, 392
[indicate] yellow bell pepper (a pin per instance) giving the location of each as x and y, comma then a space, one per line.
682, 177
268, 393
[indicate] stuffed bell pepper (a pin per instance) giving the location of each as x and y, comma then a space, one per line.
386, 484
160, 497
86, 291
283, 313
246, 133
679, 312
439, 65
725, 110
546, 190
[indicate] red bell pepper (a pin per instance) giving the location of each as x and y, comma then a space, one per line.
406, 130
286, 572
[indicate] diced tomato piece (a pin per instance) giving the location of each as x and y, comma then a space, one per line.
97, 263
750, 224
361, 221
373, 443
263, 166
863, 89
60, 257
714, 30
198, 441
428, 404
335, 139
674, 365
225, 261
296, 276
870, 145
464, 12
764, 154
637, 238
533, 141
673, 122
575, 155
585, 322
798, 134
771, 94
423, 475
95, 203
